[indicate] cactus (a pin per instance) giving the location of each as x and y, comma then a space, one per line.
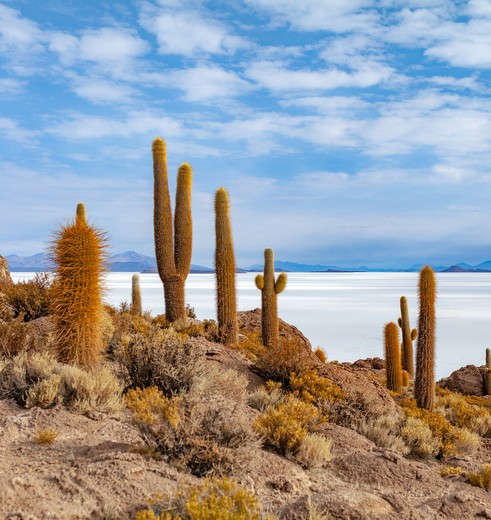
393, 367
225, 270
136, 296
78, 252
269, 298
173, 251
408, 336
487, 385
424, 384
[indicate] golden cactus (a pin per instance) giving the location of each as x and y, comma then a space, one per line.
225, 270
136, 296
269, 298
424, 383
172, 250
393, 367
78, 252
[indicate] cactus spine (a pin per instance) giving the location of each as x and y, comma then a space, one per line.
487, 385
393, 367
78, 253
173, 251
269, 298
136, 296
408, 336
424, 384
225, 270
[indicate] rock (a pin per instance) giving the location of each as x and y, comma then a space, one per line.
468, 380
5, 278
375, 363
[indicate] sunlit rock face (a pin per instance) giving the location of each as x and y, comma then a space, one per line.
5, 278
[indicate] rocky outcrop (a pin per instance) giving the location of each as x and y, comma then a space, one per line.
5, 278
468, 380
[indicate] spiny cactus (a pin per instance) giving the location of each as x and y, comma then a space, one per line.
408, 336
393, 358
225, 270
269, 298
136, 296
424, 384
487, 385
173, 251
78, 252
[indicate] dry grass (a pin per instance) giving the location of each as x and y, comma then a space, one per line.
419, 438
451, 470
314, 451
212, 379
45, 435
481, 478
37, 379
266, 396
383, 431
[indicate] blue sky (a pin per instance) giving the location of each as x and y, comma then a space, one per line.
347, 132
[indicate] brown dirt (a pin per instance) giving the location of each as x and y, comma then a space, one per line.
97, 467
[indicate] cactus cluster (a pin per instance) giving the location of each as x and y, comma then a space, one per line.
172, 249
78, 252
270, 288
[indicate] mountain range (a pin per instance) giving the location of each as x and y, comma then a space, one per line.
131, 261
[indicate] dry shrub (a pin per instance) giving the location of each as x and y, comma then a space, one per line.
383, 431
212, 379
284, 425
452, 440
163, 359
250, 344
217, 499
29, 299
268, 395
46, 436
451, 470
482, 478
419, 438
13, 337
321, 355
279, 361
314, 451
37, 379
206, 437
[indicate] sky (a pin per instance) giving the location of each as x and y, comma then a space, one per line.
347, 132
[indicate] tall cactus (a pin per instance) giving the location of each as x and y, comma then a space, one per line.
225, 270
393, 367
408, 336
487, 382
78, 252
269, 298
173, 250
424, 384
136, 296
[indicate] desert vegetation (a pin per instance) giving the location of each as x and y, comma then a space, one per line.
210, 404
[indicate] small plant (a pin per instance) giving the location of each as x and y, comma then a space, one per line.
266, 396
217, 499
481, 478
270, 288
321, 355
29, 299
279, 361
314, 451
447, 471
419, 438
287, 423
46, 435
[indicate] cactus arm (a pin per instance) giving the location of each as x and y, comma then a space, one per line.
399, 322
81, 215
183, 226
280, 284
414, 334
259, 282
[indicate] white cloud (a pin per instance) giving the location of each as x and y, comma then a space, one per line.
277, 77
10, 129
11, 86
87, 127
18, 34
188, 32
103, 91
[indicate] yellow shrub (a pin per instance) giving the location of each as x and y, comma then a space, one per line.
315, 389
451, 470
321, 355
46, 436
214, 499
151, 407
482, 478
287, 423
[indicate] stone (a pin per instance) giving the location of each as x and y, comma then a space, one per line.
467, 380
5, 278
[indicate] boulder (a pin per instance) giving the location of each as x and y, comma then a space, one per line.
5, 278
468, 380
